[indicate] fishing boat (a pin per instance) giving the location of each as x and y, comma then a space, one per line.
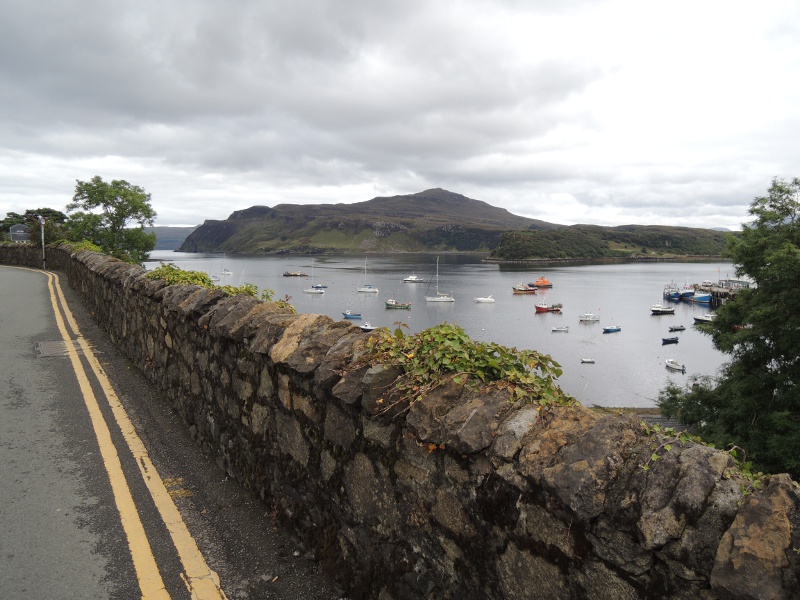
672, 291
588, 317
702, 297
440, 296
612, 329
392, 303
543, 307
349, 314
413, 279
367, 327
706, 318
561, 329
484, 299
524, 288
367, 288
674, 365
677, 328
669, 340
687, 292
660, 309
542, 283
587, 361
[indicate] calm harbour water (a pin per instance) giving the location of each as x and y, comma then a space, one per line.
629, 365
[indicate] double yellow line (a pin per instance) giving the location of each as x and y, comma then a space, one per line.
200, 580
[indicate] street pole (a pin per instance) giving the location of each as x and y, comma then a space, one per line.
41, 222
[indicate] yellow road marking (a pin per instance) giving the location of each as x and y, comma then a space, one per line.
202, 582
150, 582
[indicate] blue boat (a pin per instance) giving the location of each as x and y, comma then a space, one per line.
612, 329
702, 297
349, 314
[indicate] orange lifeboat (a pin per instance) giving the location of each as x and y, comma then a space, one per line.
542, 282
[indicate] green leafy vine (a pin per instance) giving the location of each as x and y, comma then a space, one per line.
430, 355
669, 436
174, 275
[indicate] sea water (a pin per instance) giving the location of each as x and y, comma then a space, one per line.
629, 366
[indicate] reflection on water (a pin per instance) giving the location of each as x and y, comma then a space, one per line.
629, 366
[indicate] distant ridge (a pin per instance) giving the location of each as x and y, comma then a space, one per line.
428, 221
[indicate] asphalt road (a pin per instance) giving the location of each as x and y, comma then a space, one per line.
84, 497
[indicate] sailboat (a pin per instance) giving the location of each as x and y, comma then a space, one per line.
440, 296
313, 289
367, 288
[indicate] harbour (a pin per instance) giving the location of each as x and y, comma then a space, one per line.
628, 367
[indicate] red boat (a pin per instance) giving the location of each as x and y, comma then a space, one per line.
543, 307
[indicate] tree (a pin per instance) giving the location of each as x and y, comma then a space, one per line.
755, 403
53, 224
108, 214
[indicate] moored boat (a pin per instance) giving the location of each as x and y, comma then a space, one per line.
612, 329
706, 318
541, 282
484, 299
413, 279
669, 340
702, 297
543, 307
350, 314
660, 309
687, 291
524, 288
588, 317
674, 365
294, 274
440, 296
367, 327
392, 303
562, 328
672, 291
587, 361
677, 328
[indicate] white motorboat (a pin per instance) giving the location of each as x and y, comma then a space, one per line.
413, 279
484, 299
367, 327
587, 361
706, 318
562, 328
674, 365
660, 309
588, 317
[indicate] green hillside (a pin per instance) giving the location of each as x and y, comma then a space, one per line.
433, 220
593, 242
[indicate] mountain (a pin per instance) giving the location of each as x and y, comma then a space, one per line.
433, 220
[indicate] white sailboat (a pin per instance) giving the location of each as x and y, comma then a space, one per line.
440, 296
367, 288
313, 289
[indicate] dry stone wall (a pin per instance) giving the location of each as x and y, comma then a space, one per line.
459, 494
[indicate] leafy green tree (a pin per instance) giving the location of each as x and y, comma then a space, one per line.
113, 216
755, 403
53, 224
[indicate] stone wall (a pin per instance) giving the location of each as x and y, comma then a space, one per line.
461, 494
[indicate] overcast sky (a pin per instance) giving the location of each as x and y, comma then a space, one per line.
606, 112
